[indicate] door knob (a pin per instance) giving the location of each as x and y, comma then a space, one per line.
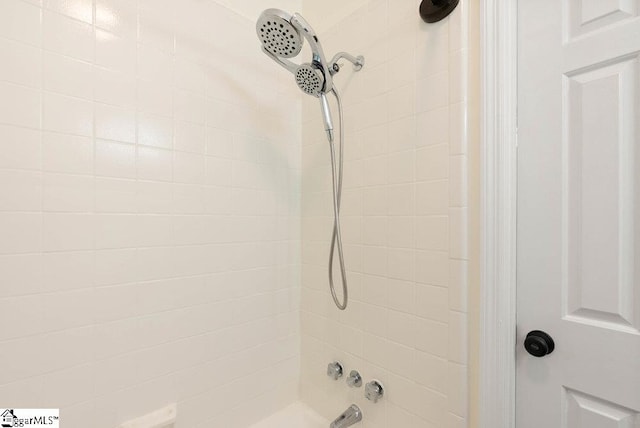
538, 343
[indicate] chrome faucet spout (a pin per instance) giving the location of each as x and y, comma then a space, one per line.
349, 417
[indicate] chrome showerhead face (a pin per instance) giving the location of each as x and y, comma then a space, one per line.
310, 79
277, 34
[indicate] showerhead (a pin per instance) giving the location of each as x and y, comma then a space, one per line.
310, 79
282, 36
279, 37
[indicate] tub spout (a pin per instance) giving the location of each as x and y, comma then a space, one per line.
349, 417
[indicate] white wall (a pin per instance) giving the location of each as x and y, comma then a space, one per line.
327, 13
404, 221
149, 213
251, 9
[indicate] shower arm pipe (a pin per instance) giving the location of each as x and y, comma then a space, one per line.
357, 61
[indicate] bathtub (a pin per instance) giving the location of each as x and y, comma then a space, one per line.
297, 415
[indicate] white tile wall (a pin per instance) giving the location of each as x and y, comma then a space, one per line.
404, 220
149, 213
151, 232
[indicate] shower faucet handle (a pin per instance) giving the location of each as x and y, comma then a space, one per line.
373, 391
354, 380
334, 370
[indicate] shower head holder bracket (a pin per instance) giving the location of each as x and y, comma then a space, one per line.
318, 60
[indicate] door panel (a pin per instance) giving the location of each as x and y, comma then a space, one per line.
579, 212
585, 411
599, 130
585, 16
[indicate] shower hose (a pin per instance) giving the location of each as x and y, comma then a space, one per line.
336, 237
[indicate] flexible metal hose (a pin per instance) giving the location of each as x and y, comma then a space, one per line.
336, 238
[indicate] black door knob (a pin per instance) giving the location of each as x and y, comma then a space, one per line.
538, 343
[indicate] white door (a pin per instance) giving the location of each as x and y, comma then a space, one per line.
579, 213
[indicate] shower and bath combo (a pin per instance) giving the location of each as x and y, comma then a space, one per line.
282, 37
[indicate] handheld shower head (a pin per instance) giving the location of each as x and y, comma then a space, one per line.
279, 37
310, 79
282, 36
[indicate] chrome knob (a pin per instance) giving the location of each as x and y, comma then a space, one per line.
373, 391
354, 380
334, 370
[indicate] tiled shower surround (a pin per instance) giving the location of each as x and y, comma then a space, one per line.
165, 214
404, 221
149, 213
